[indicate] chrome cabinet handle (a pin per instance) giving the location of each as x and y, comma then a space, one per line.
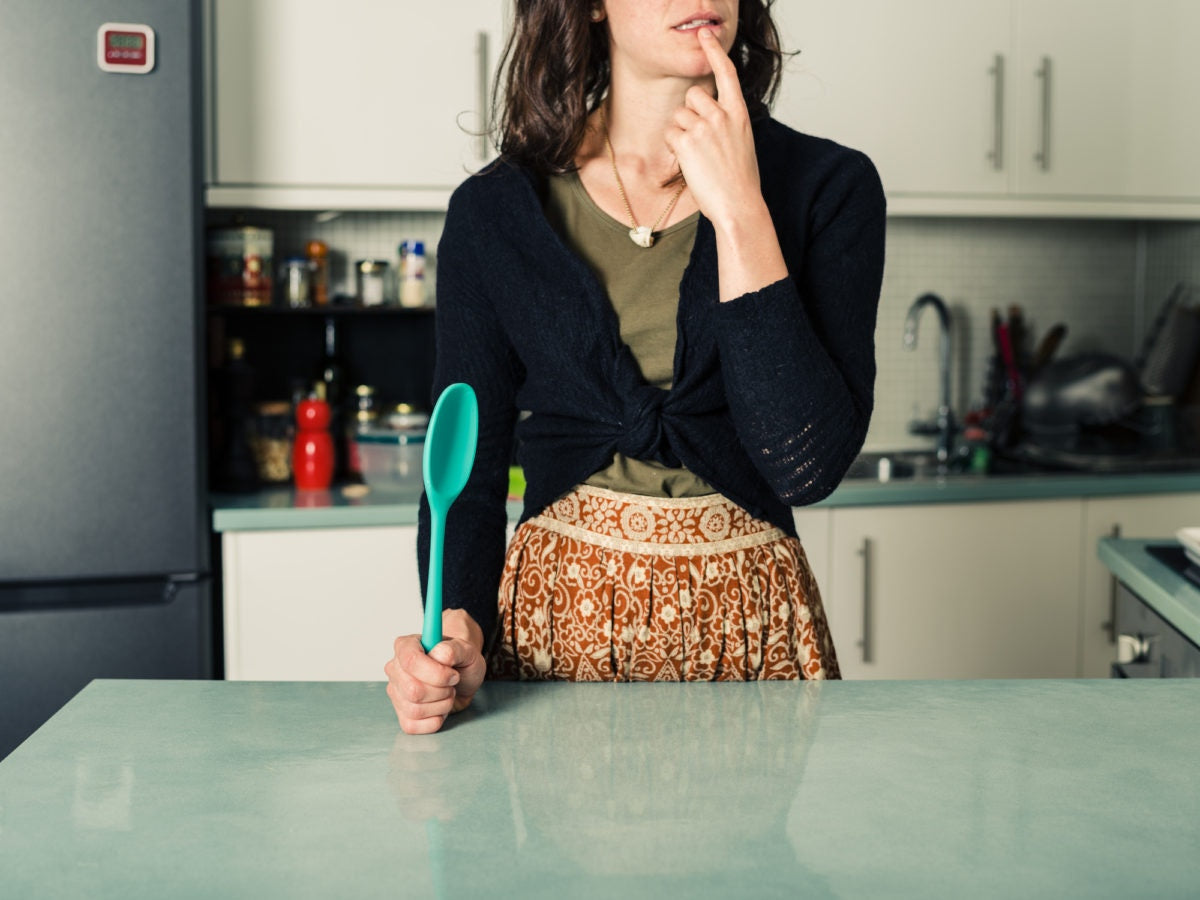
1043, 154
996, 154
865, 642
482, 70
1111, 625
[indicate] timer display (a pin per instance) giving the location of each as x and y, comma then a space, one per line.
123, 47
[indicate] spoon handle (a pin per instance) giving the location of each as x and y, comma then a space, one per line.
431, 630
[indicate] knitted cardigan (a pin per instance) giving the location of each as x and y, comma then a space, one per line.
771, 394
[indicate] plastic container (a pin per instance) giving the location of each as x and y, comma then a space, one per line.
412, 273
390, 459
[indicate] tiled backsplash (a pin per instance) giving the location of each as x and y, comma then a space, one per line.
1105, 280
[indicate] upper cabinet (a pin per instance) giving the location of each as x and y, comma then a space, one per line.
355, 105
1009, 107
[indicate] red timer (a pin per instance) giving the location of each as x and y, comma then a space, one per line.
122, 47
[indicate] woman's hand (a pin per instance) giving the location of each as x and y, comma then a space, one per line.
714, 143
426, 687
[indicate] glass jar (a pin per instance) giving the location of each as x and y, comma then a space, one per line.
364, 417
272, 433
295, 281
371, 281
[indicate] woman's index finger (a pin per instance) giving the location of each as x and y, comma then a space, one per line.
729, 89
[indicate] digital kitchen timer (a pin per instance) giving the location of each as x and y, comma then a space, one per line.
122, 47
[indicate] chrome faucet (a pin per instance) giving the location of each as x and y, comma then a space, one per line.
945, 418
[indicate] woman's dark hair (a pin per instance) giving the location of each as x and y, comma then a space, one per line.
556, 71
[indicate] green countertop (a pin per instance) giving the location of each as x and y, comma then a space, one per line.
285, 508
852, 789
1163, 589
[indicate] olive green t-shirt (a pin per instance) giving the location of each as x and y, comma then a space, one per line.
643, 286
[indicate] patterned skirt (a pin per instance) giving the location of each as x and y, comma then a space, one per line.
605, 586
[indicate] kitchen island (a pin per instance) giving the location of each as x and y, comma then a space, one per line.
923, 789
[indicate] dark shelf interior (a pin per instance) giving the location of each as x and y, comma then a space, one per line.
391, 349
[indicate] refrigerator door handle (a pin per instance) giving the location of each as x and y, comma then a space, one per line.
45, 596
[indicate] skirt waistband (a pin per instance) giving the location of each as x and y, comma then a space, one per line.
666, 526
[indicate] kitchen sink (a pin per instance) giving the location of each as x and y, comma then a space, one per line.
894, 465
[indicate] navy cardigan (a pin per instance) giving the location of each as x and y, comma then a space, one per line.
771, 394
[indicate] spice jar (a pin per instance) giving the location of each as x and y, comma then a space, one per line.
372, 281
318, 258
272, 434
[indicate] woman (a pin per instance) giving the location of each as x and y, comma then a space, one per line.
671, 298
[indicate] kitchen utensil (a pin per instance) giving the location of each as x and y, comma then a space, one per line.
447, 461
1171, 349
1047, 347
1009, 356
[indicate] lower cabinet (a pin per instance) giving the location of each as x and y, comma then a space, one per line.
318, 604
955, 590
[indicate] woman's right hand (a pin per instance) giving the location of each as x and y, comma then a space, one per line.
426, 687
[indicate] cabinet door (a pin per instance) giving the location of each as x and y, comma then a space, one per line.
1117, 111
1154, 516
956, 591
911, 84
318, 604
355, 94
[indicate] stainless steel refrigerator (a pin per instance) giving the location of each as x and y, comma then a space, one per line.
104, 559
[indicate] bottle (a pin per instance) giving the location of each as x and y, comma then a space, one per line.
318, 258
412, 273
236, 469
331, 375
312, 453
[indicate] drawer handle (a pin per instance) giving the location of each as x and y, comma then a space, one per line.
996, 154
1043, 154
865, 641
1111, 625
482, 70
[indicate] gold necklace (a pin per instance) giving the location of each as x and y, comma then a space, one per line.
639, 234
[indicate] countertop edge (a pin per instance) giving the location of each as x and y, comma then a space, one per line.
286, 509
1166, 592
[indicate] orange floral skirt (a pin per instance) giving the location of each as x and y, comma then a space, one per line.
605, 586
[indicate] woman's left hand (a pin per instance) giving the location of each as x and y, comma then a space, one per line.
714, 143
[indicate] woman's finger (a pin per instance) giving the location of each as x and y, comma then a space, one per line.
729, 89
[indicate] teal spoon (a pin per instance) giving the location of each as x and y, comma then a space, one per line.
449, 454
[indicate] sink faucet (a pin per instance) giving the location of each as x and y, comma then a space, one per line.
945, 418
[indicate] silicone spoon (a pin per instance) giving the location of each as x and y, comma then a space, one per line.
449, 454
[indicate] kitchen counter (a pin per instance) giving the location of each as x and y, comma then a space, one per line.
1160, 587
845, 789
285, 508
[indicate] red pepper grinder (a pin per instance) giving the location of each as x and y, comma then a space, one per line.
312, 452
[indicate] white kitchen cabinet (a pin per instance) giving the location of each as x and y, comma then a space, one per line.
356, 105
908, 83
318, 604
1116, 112
813, 527
954, 104
986, 590
1154, 516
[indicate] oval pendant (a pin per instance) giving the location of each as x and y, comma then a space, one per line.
641, 236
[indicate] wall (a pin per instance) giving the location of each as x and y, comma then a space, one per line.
1106, 280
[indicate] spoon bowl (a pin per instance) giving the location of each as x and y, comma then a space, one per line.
446, 465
